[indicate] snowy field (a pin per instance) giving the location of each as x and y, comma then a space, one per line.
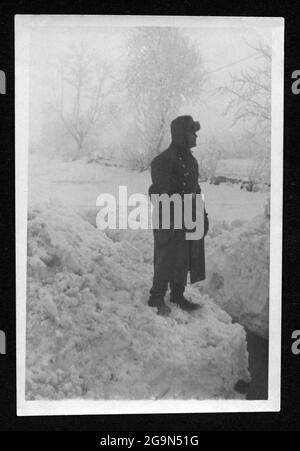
90, 333
234, 167
79, 184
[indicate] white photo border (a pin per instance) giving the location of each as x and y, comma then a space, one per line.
23, 24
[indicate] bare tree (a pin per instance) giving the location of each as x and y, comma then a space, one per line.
81, 91
250, 93
164, 71
250, 102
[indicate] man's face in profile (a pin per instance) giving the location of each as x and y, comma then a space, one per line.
191, 138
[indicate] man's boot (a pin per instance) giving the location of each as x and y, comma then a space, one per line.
159, 303
183, 303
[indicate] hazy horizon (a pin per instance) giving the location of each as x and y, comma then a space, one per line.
224, 52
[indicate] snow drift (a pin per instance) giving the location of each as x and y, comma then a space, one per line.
90, 333
237, 271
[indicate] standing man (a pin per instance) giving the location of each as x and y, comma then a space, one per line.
173, 171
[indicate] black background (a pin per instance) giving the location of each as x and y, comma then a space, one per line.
289, 417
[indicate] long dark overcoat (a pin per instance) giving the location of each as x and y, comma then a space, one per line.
175, 170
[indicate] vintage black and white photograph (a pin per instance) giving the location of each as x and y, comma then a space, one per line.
119, 118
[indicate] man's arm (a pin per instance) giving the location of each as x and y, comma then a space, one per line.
161, 176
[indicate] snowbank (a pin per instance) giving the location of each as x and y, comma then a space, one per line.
237, 271
90, 333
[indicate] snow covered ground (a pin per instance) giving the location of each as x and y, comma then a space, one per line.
79, 184
234, 167
237, 271
89, 330
91, 334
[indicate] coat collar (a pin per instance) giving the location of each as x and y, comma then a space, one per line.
181, 151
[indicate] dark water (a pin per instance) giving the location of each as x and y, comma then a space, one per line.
258, 349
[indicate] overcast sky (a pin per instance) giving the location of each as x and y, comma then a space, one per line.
224, 51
